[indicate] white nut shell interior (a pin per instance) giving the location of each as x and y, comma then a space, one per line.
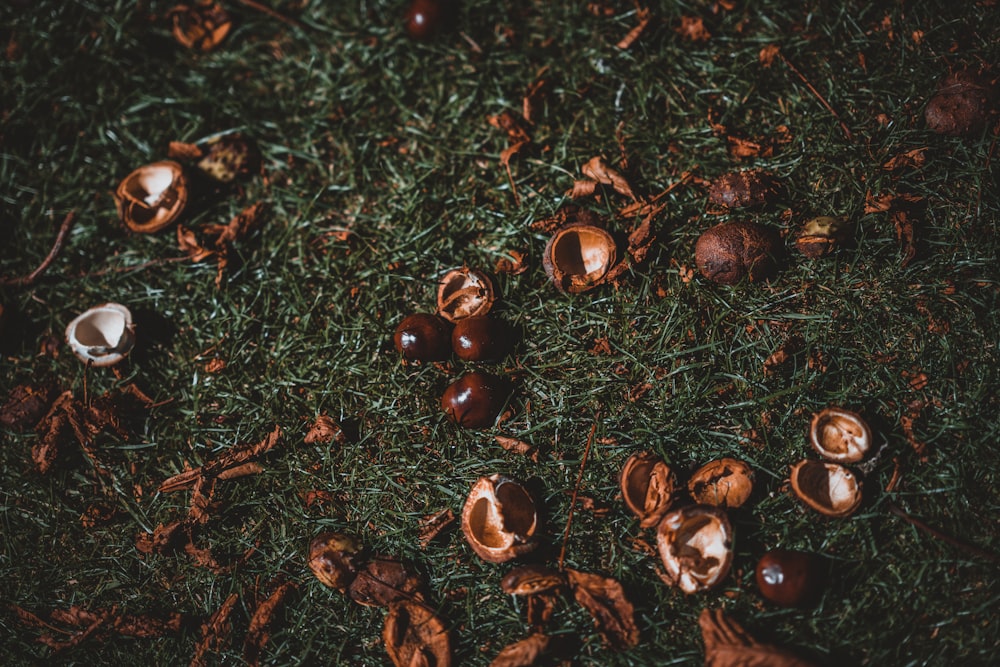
103, 335
696, 546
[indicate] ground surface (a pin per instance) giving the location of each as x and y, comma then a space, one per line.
381, 170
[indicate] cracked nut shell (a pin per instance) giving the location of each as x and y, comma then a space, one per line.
726, 482
647, 486
331, 559
103, 335
744, 189
152, 196
423, 337
840, 435
731, 251
531, 579
696, 546
828, 488
790, 578
475, 399
465, 293
499, 519
821, 235
963, 104
579, 256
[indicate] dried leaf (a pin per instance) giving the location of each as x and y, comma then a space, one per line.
635, 33
768, 54
907, 422
534, 97
433, 525
904, 222
415, 637
383, 581
187, 241
604, 598
512, 151
26, 405
582, 188
214, 631
641, 239
727, 644
913, 159
600, 171
513, 125
693, 28
539, 609
179, 150
262, 621
517, 446
522, 653
325, 431
231, 458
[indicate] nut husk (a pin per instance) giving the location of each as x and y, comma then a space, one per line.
465, 293
414, 636
579, 256
745, 189
963, 104
726, 483
332, 559
647, 486
731, 251
828, 488
821, 235
696, 546
499, 519
840, 435
152, 196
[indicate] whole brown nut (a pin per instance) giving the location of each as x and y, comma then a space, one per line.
747, 189
475, 399
152, 196
790, 578
579, 256
726, 482
499, 519
731, 251
963, 104
426, 18
481, 338
423, 337
332, 559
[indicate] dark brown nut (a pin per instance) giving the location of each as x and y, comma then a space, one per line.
963, 105
532, 579
201, 26
745, 189
729, 252
481, 338
840, 435
332, 559
426, 18
228, 157
821, 235
790, 578
696, 546
579, 256
726, 483
423, 337
152, 196
647, 486
465, 293
499, 519
475, 399
828, 488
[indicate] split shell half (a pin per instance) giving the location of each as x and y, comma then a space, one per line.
152, 196
696, 546
103, 335
647, 485
828, 488
465, 293
840, 435
499, 519
725, 482
579, 256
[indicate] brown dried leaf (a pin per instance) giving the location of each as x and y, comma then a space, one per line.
582, 188
513, 265
415, 637
514, 126
590, 504
325, 431
522, 653
904, 222
727, 644
187, 241
913, 159
768, 54
432, 525
693, 28
640, 241
165, 538
382, 582
604, 598
600, 171
793, 345
262, 621
179, 150
534, 97
633, 35
539, 609
907, 422
517, 446
512, 151
214, 631
26, 405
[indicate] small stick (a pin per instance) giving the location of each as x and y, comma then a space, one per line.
64, 228
822, 100
576, 491
941, 535
252, 4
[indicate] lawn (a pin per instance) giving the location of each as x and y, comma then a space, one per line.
385, 162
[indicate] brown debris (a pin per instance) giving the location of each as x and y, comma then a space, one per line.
26, 404
534, 97
905, 210
604, 598
231, 458
382, 581
514, 264
219, 239
912, 159
597, 169
415, 637
517, 446
767, 54
433, 525
523, 653
693, 28
635, 33
185, 152
100, 625
325, 431
214, 632
780, 357
262, 622
907, 422
515, 127
727, 644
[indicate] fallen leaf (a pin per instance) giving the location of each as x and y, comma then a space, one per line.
514, 264
214, 631
26, 404
179, 150
325, 431
262, 621
727, 644
693, 28
914, 159
767, 54
523, 653
534, 97
512, 151
517, 446
513, 125
604, 598
383, 581
433, 525
599, 170
635, 33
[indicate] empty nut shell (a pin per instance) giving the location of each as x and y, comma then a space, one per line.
152, 196
726, 483
475, 399
840, 435
696, 546
499, 519
332, 559
103, 335
731, 251
465, 293
821, 235
828, 488
748, 189
579, 256
647, 486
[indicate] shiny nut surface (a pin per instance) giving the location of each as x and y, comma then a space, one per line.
423, 337
475, 399
790, 578
481, 338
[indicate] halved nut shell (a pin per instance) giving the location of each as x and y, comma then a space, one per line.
579, 256
828, 488
726, 482
415, 636
696, 546
499, 519
152, 196
840, 435
332, 559
647, 486
103, 335
465, 293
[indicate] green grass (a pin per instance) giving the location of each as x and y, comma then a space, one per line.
363, 129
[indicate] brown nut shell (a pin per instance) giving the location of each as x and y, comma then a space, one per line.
465, 293
840, 435
531, 579
747, 189
963, 104
696, 546
726, 483
579, 256
152, 196
731, 251
821, 235
332, 559
415, 636
647, 485
828, 488
499, 519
